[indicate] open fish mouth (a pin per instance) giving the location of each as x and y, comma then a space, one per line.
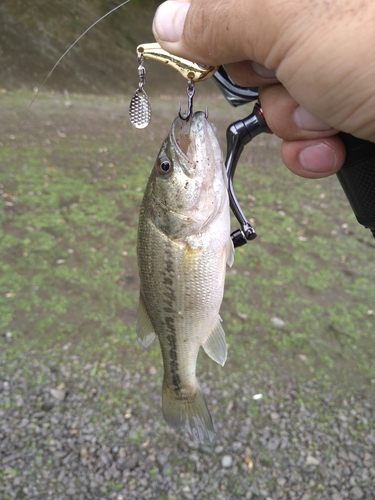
191, 140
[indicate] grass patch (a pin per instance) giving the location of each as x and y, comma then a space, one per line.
71, 183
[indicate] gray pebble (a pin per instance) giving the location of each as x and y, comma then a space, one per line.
357, 492
310, 460
226, 461
336, 496
162, 458
74, 450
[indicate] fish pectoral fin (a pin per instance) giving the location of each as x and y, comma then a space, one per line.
145, 330
230, 253
215, 345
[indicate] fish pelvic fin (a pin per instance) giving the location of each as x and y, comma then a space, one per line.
215, 345
190, 412
145, 330
230, 253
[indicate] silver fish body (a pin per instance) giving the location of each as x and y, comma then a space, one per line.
183, 247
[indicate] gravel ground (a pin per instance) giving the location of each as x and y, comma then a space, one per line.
62, 438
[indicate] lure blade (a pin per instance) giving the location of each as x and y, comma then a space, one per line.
140, 109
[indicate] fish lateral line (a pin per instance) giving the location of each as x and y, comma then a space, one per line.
72, 45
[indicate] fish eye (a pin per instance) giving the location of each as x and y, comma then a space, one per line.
164, 165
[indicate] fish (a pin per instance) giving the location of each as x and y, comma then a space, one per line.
183, 248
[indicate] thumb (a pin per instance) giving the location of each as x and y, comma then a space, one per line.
207, 31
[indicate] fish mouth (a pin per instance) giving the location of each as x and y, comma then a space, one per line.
190, 139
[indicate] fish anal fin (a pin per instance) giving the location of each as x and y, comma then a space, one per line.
215, 345
145, 330
190, 412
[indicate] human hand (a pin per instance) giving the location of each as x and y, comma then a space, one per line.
321, 53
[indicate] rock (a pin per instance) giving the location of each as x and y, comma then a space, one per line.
310, 460
61, 475
130, 463
10, 458
162, 459
255, 488
104, 459
336, 496
226, 461
273, 443
58, 394
24, 422
47, 405
19, 400
357, 492
277, 322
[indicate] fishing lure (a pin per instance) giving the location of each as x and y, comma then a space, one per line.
139, 108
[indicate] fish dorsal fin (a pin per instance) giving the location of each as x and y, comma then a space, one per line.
215, 345
230, 253
145, 330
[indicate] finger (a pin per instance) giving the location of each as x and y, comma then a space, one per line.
287, 119
314, 159
250, 74
210, 33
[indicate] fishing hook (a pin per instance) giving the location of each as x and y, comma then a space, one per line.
190, 90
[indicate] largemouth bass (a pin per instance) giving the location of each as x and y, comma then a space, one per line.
183, 247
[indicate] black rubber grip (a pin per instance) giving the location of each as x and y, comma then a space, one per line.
357, 178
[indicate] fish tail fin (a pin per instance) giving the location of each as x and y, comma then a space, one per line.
188, 411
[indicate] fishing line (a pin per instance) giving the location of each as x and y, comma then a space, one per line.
73, 44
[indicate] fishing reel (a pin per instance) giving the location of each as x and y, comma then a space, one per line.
357, 176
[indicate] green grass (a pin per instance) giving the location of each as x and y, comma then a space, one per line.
73, 181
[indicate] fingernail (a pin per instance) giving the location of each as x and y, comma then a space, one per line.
262, 71
169, 20
306, 121
318, 158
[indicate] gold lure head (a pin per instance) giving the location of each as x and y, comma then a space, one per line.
191, 71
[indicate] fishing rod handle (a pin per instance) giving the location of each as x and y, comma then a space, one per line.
357, 178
